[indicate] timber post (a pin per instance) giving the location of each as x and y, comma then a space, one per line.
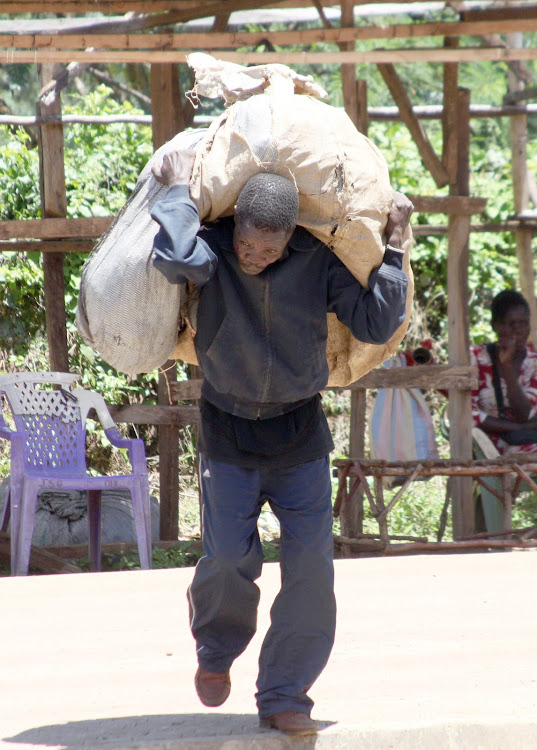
167, 122
53, 205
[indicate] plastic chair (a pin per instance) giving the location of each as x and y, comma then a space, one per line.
48, 449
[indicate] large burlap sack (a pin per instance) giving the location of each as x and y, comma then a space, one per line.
345, 198
127, 310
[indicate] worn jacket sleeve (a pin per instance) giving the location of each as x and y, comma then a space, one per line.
178, 251
372, 315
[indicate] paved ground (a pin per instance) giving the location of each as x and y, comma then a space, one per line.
432, 652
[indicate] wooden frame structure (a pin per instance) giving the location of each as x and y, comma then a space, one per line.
151, 37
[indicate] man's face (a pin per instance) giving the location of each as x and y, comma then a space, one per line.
258, 248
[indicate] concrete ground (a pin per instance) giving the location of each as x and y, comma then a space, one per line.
433, 652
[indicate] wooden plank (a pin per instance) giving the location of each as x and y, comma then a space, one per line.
488, 226
393, 56
382, 114
417, 131
427, 376
189, 9
91, 6
47, 246
180, 416
347, 34
40, 560
521, 12
74, 551
460, 377
53, 228
458, 205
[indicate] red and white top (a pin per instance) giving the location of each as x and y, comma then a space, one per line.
484, 399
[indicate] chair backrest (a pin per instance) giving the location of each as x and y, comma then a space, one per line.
50, 421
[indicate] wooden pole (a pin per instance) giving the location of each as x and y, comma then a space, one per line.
518, 135
417, 131
352, 512
53, 204
459, 407
449, 115
167, 122
348, 71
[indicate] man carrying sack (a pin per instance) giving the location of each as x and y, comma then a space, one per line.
266, 286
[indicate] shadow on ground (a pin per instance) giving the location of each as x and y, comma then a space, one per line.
131, 731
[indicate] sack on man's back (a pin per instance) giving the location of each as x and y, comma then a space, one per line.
345, 198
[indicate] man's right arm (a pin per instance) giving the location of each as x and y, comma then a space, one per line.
179, 253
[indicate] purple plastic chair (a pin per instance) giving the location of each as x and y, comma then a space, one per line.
48, 451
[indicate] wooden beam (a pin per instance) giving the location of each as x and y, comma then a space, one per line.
426, 151
179, 416
421, 230
449, 114
168, 120
418, 230
437, 377
47, 246
393, 56
459, 403
53, 204
40, 560
459, 205
424, 112
345, 35
521, 12
54, 228
363, 110
166, 101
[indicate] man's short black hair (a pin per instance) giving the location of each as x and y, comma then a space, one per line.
505, 301
269, 202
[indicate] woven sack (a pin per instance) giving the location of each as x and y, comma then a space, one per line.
127, 310
131, 314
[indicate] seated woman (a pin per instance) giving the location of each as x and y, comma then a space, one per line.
504, 405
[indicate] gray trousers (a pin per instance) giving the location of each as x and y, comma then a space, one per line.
224, 598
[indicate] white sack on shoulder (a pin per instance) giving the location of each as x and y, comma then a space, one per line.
127, 310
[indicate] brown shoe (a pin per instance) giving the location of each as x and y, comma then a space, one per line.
291, 722
213, 688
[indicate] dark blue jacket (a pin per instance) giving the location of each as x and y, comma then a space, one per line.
261, 340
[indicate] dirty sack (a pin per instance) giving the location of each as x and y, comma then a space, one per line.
276, 123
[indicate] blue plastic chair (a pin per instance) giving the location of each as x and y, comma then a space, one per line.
48, 451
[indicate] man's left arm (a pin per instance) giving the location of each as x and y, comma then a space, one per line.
373, 315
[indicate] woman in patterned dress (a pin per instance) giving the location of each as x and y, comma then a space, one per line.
517, 366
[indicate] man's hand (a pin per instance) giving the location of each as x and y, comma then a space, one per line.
398, 219
176, 167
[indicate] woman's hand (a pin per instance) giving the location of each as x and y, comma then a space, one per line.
398, 219
507, 349
176, 167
